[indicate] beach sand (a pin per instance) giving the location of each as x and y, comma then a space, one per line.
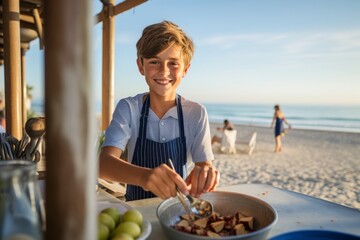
322, 164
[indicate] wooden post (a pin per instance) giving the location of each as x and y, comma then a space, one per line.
71, 169
23, 86
108, 64
12, 68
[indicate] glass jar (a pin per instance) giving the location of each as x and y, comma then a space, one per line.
21, 206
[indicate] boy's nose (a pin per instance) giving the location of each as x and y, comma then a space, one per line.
164, 68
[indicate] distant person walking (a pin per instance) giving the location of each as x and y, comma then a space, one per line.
279, 120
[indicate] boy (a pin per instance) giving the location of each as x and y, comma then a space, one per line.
160, 125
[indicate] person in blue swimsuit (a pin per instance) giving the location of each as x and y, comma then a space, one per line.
279, 120
159, 125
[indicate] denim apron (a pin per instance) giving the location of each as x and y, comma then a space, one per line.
151, 154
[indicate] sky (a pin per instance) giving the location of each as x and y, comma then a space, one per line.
246, 51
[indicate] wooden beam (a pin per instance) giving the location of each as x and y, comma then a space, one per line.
39, 27
108, 58
12, 59
26, 6
37, 2
126, 5
28, 25
27, 18
22, 25
71, 169
99, 17
120, 8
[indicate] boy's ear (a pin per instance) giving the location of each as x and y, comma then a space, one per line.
140, 66
185, 70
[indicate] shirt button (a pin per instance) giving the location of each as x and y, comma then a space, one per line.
163, 139
162, 123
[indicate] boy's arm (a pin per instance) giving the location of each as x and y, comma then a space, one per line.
161, 180
112, 168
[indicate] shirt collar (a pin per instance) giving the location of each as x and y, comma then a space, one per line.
172, 112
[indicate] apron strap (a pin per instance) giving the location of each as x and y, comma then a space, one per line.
143, 119
181, 120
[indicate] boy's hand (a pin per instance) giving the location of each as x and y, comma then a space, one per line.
162, 182
203, 178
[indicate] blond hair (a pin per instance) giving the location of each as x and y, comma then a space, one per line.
157, 37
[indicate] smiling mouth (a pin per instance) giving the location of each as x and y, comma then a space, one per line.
163, 81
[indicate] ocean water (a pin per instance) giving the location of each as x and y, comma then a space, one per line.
330, 118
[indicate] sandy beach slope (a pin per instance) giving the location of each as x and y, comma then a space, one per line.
322, 164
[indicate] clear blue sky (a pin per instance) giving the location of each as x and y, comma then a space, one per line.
247, 51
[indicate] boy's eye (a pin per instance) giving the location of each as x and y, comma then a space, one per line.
169, 63
174, 63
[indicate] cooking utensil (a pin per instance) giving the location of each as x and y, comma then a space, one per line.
35, 128
200, 207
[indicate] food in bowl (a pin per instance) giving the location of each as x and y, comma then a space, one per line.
216, 225
225, 203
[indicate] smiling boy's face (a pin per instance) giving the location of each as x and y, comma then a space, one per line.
164, 72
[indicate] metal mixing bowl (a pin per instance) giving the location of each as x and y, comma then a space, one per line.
225, 203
